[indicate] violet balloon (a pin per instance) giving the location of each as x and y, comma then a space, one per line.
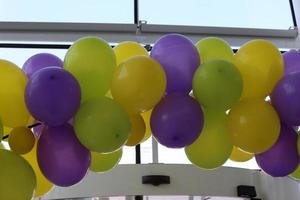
285, 98
179, 58
177, 120
282, 158
291, 61
61, 157
40, 61
52, 96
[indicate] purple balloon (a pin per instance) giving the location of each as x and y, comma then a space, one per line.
177, 120
282, 158
179, 58
285, 98
291, 61
61, 157
52, 96
40, 61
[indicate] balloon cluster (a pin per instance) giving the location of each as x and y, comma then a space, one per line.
203, 98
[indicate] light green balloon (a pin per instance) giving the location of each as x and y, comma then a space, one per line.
102, 125
17, 179
103, 162
92, 61
214, 48
213, 147
1, 129
296, 173
217, 84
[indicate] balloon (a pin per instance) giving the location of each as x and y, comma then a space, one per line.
282, 158
138, 84
138, 129
52, 96
239, 155
21, 140
40, 61
285, 99
146, 116
298, 144
102, 162
179, 58
253, 125
17, 179
291, 61
92, 61
213, 147
214, 48
102, 125
177, 120
13, 81
296, 173
128, 49
217, 84
1, 130
61, 157
43, 185
261, 65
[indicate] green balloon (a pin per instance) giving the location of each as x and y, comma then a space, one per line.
1, 129
102, 162
213, 147
296, 173
298, 144
102, 125
214, 48
17, 178
92, 61
217, 84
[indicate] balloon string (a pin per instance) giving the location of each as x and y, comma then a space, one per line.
30, 126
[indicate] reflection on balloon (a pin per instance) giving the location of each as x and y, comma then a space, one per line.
239, 155
21, 140
282, 158
261, 65
138, 129
43, 185
179, 58
61, 157
253, 125
92, 61
40, 61
102, 125
214, 48
177, 120
138, 84
128, 49
13, 81
213, 147
217, 84
17, 179
102, 162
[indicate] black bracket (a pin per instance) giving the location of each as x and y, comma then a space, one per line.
156, 180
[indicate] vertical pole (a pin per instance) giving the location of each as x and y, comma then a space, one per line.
154, 151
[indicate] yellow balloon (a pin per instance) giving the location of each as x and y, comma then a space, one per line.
13, 80
261, 65
138, 129
146, 116
102, 162
1, 130
214, 48
298, 144
254, 125
239, 155
138, 84
43, 185
213, 147
128, 49
17, 179
296, 173
92, 61
21, 140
